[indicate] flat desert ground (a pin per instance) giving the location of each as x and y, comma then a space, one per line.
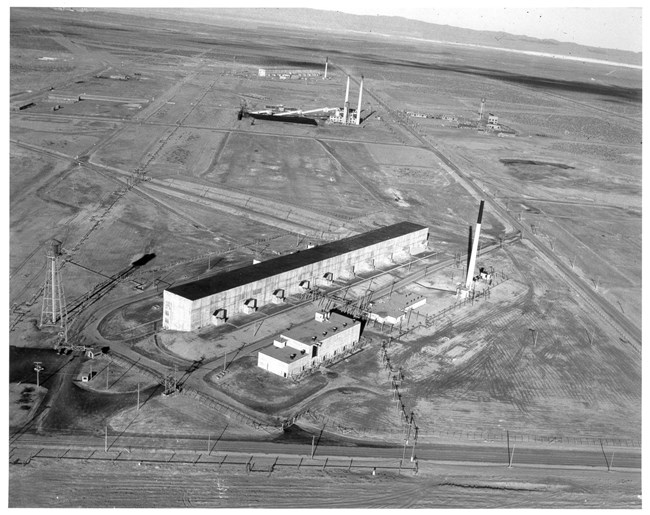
125, 142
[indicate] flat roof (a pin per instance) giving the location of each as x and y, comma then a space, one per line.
224, 281
304, 333
284, 354
395, 304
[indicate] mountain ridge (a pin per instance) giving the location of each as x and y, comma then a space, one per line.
339, 22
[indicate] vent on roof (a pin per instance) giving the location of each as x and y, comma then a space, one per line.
292, 355
345, 324
324, 333
314, 338
334, 328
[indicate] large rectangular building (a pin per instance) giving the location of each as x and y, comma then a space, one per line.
195, 304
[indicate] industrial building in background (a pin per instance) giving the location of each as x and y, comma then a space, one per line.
214, 299
345, 115
288, 73
324, 338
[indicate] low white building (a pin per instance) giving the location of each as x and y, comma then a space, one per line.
393, 309
327, 336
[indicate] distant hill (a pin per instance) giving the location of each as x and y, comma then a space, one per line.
338, 22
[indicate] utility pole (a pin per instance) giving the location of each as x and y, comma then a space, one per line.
403, 455
138, 405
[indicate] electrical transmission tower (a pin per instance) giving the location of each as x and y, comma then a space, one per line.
54, 313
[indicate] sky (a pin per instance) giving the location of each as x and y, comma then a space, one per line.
606, 27
593, 23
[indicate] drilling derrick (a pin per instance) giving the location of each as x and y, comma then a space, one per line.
53, 313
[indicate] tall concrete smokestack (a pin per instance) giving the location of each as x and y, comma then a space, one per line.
346, 106
359, 108
472, 259
480, 113
326, 62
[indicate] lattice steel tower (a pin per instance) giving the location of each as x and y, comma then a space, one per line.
54, 313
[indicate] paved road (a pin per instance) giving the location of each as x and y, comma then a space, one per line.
479, 454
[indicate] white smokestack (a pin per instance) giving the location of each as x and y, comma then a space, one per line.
347, 103
359, 108
326, 61
472, 259
480, 113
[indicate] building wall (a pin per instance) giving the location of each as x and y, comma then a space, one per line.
185, 315
279, 367
339, 342
328, 348
177, 312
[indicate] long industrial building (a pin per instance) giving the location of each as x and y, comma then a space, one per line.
212, 300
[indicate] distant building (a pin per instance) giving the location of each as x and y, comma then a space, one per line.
417, 114
493, 122
327, 336
63, 98
288, 73
19, 106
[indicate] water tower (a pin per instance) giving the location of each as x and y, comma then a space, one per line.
480, 112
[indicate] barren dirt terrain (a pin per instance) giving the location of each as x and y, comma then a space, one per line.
125, 143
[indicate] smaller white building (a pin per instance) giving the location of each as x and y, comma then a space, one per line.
493, 122
393, 309
327, 336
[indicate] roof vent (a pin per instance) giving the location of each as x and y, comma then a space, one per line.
292, 355
314, 338
345, 324
324, 333
334, 328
